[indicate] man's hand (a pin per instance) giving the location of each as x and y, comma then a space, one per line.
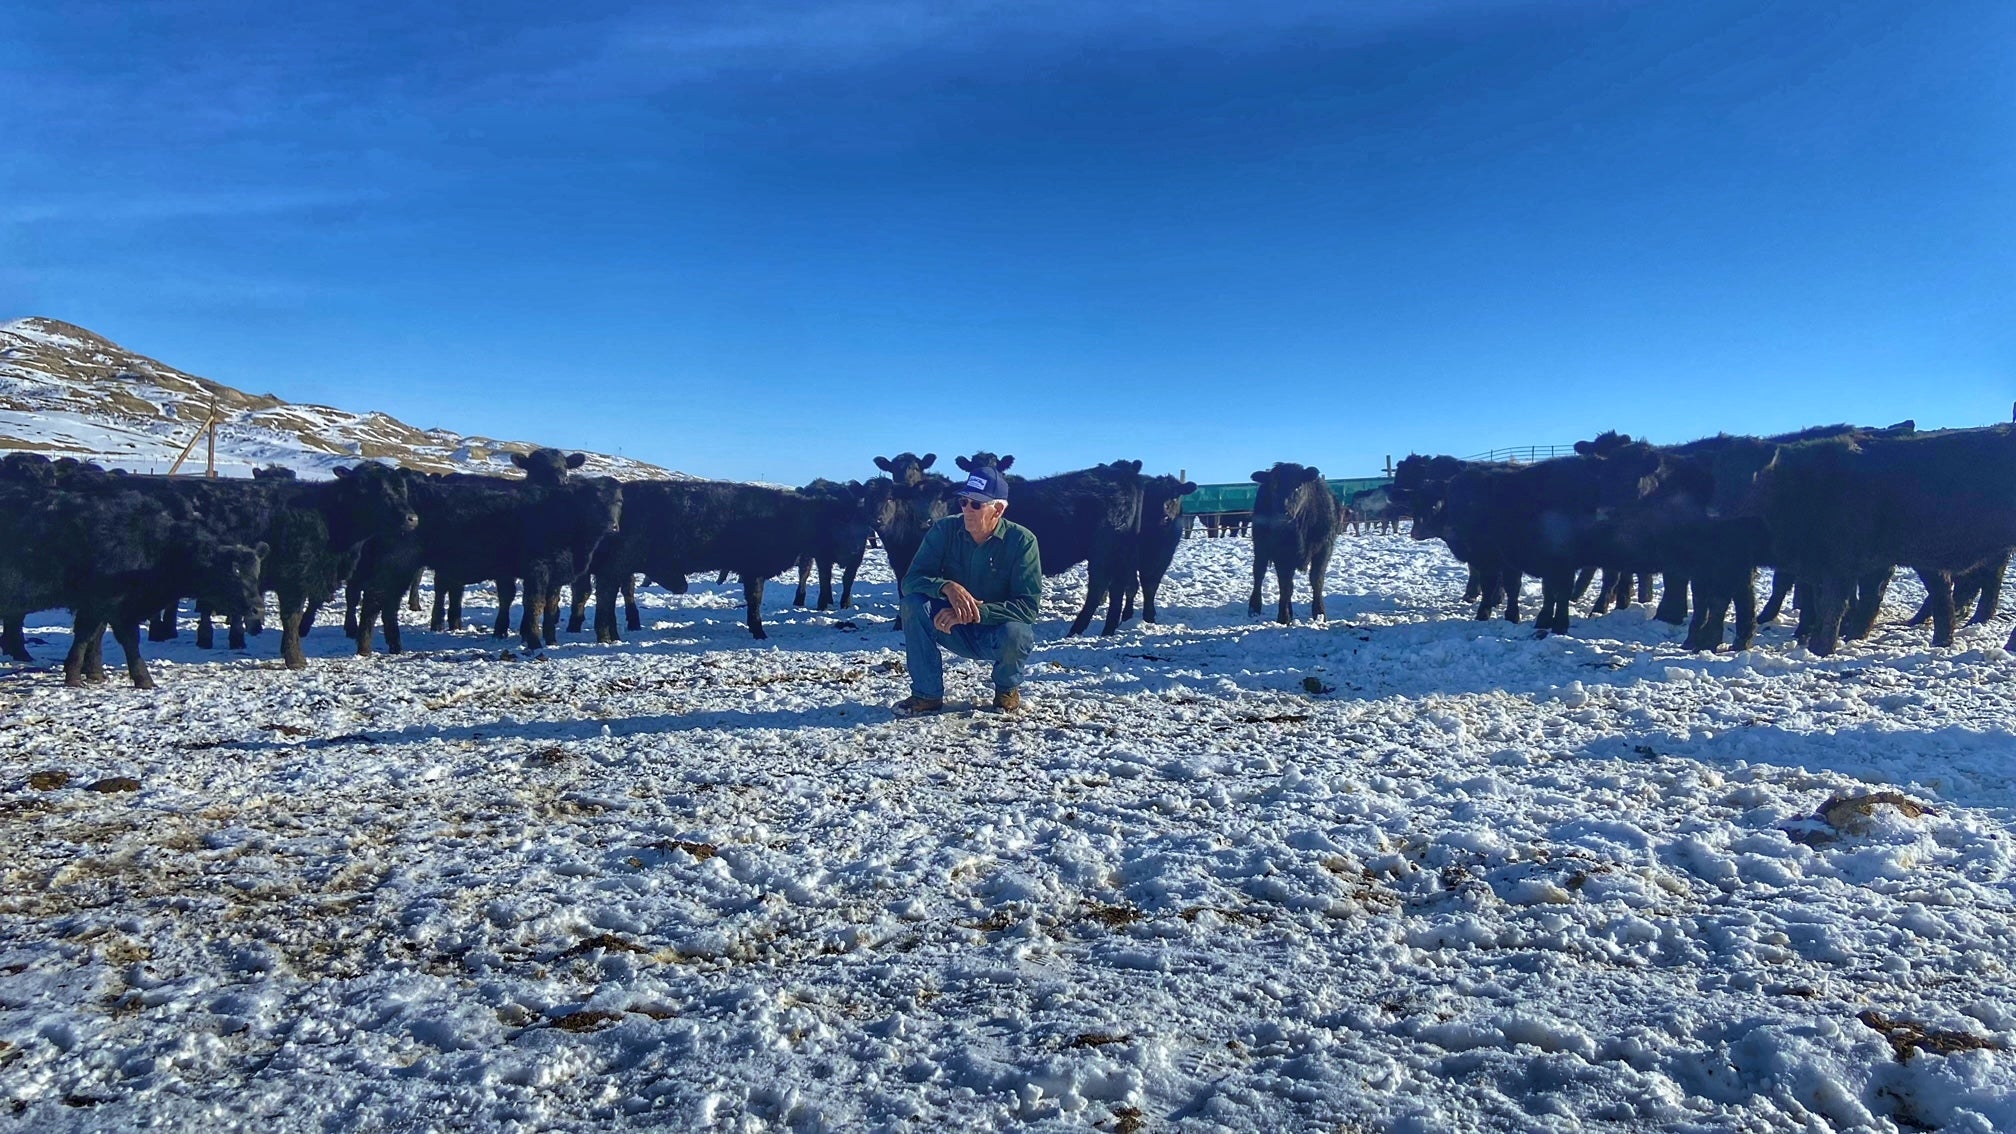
943, 620
965, 608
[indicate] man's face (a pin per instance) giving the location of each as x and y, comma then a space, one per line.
981, 519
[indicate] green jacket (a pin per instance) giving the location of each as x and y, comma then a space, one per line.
1005, 574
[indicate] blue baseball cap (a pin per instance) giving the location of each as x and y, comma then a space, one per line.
985, 484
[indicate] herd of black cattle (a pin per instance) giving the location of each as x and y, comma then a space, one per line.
1835, 509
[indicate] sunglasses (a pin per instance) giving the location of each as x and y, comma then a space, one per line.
967, 503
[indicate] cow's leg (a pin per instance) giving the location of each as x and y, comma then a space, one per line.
825, 584
439, 619
507, 593
1284, 579
413, 594
1746, 609
1939, 593
847, 574
206, 630
605, 607
84, 630
1867, 604
352, 595
1511, 581
1259, 573
455, 606
161, 627
292, 607
391, 616
1832, 594
804, 573
577, 604
12, 643
1127, 604
549, 626
1781, 587
1989, 581
369, 601
1673, 603
1319, 568
128, 636
1473, 587
1116, 576
752, 594
1582, 580
308, 614
533, 602
1490, 590
234, 634
1094, 591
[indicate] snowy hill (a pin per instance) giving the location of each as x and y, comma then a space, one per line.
67, 392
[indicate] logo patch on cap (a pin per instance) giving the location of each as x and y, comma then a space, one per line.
976, 483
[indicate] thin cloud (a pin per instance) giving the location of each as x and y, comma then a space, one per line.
140, 208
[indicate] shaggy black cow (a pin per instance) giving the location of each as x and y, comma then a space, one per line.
1937, 502
674, 528
1161, 532
113, 556
916, 500
542, 563
1421, 487
538, 532
1294, 529
315, 530
1546, 519
1700, 529
846, 516
1091, 516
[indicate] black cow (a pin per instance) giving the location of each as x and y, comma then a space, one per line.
113, 555
674, 528
1091, 516
1701, 530
538, 531
315, 530
846, 517
1161, 532
1421, 486
916, 500
1938, 502
1294, 529
1547, 519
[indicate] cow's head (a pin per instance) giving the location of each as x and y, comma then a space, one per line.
1162, 499
1278, 485
548, 466
227, 578
378, 493
274, 472
984, 459
906, 468
1421, 489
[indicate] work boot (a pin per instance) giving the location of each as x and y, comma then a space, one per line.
1007, 700
914, 706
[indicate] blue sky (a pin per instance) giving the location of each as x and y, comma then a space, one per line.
774, 240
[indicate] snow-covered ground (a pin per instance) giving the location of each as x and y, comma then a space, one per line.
1473, 882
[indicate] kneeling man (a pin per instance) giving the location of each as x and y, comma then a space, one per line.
974, 589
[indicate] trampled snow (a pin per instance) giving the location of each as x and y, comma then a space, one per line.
695, 882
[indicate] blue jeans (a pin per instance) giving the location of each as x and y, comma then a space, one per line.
1006, 644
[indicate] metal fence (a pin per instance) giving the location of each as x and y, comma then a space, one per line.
1525, 454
